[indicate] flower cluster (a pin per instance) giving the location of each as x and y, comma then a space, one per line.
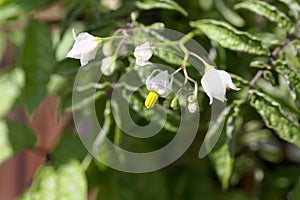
159, 83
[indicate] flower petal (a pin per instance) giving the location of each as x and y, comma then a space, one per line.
206, 89
85, 58
160, 82
226, 79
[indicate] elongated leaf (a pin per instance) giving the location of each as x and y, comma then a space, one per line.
223, 162
293, 80
269, 11
276, 118
223, 157
66, 182
11, 84
229, 14
294, 6
165, 4
20, 136
229, 37
37, 62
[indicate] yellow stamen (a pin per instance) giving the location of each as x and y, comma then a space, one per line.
151, 99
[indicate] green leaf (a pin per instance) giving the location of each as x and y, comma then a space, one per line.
20, 136
65, 182
71, 181
229, 37
10, 86
293, 80
268, 11
259, 64
294, 7
164, 4
43, 186
69, 147
38, 62
67, 67
223, 157
14, 138
223, 163
229, 14
275, 117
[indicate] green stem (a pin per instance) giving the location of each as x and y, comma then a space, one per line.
86, 161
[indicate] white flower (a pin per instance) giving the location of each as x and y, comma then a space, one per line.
143, 53
84, 48
108, 65
214, 83
159, 83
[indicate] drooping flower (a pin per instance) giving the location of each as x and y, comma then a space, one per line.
143, 53
108, 65
85, 47
214, 83
159, 83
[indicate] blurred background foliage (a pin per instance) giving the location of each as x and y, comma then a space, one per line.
259, 161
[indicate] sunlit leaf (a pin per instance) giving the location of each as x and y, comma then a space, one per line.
11, 84
38, 62
276, 118
164, 4
229, 37
67, 181
268, 11
293, 80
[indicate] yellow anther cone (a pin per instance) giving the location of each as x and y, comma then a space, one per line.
151, 99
